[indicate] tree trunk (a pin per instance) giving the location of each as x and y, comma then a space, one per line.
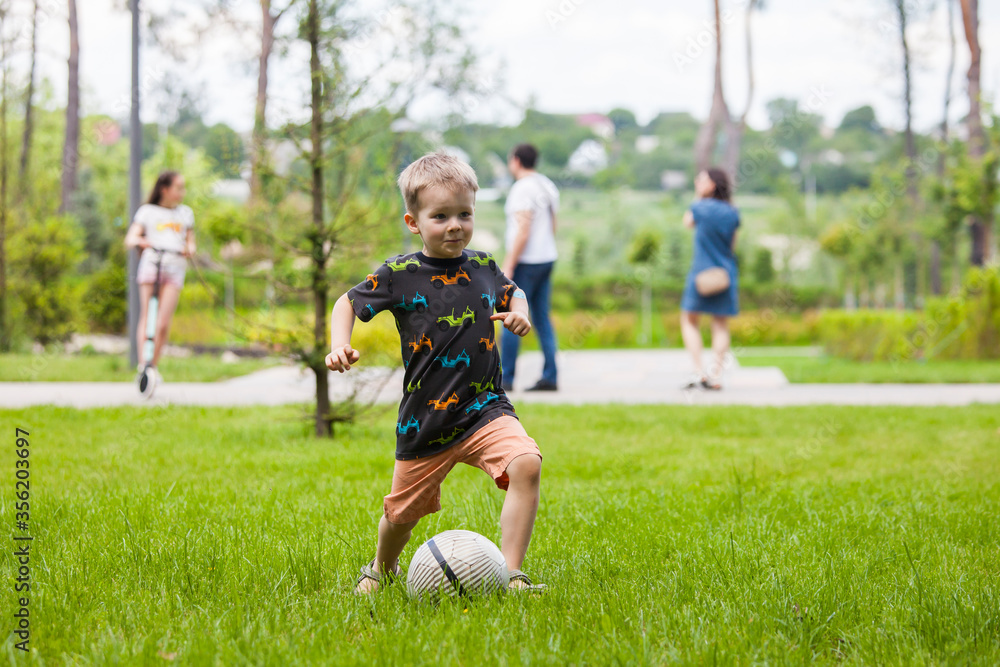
704, 145
911, 146
319, 281
71, 146
947, 86
912, 175
979, 225
935, 268
736, 130
937, 286
24, 183
258, 153
5, 338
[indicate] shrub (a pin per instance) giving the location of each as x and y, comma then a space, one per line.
963, 326
42, 255
105, 300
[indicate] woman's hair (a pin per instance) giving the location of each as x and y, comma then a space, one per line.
723, 190
163, 181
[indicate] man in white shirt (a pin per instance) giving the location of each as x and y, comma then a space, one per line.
531, 253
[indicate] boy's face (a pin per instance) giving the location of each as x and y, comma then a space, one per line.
444, 220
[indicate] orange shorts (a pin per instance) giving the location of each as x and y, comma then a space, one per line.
416, 484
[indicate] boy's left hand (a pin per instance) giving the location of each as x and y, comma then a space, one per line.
515, 322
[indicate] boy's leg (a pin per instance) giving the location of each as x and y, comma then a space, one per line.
392, 539
416, 492
517, 518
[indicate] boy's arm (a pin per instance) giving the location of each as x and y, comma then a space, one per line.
516, 319
341, 326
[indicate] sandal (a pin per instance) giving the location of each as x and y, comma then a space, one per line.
711, 385
517, 575
368, 572
695, 382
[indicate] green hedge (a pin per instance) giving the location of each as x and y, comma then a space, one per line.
621, 293
962, 326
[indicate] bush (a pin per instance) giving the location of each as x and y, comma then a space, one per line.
867, 335
963, 326
105, 300
42, 255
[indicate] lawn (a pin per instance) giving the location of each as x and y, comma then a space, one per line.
23, 367
666, 534
833, 369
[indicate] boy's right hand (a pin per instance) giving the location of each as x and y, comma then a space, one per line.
341, 358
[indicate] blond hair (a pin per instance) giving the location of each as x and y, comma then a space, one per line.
435, 169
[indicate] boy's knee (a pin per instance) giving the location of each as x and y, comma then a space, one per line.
400, 527
526, 468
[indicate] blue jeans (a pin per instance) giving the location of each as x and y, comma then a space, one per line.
536, 281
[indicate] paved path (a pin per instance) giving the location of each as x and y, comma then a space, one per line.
586, 377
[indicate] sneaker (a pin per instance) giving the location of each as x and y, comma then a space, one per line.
543, 385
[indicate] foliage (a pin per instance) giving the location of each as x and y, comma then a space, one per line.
762, 269
963, 326
224, 148
42, 256
105, 300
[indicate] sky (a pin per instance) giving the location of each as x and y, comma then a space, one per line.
569, 56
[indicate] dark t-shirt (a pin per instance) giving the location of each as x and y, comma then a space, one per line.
442, 309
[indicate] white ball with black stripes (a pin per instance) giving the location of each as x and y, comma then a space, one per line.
457, 563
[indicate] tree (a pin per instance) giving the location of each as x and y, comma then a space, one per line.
5, 337
258, 150
71, 146
736, 129
704, 147
911, 146
980, 227
935, 258
224, 147
862, 118
24, 183
623, 119
349, 159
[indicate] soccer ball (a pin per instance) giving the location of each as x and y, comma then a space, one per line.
456, 562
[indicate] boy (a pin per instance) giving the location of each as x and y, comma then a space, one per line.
453, 408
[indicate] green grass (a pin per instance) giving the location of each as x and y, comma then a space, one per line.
115, 368
833, 369
666, 534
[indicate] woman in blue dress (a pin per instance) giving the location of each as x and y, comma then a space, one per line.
714, 221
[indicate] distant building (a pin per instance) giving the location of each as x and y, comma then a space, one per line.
673, 179
831, 156
234, 189
589, 158
646, 143
108, 132
600, 124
